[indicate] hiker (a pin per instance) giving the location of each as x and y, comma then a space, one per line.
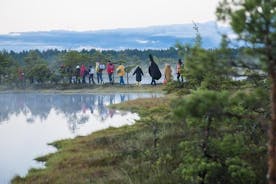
21, 77
83, 73
77, 74
154, 71
139, 73
178, 70
110, 71
91, 75
99, 70
20, 74
168, 73
121, 72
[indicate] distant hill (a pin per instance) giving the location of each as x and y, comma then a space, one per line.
154, 37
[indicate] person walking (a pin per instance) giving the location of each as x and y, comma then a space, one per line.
178, 70
139, 73
91, 75
110, 70
121, 72
77, 74
83, 72
99, 71
154, 71
168, 73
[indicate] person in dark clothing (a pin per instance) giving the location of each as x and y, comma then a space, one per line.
154, 71
178, 70
139, 73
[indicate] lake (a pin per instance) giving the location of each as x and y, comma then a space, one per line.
31, 120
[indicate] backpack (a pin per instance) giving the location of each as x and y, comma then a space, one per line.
91, 71
102, 66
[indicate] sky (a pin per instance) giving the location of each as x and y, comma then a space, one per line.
88, 15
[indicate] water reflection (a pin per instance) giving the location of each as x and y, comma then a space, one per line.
29, 121
75, 107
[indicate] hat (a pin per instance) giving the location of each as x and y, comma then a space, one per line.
77, 66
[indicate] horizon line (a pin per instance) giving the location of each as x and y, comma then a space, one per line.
105, 29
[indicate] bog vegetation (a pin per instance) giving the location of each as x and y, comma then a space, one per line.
210, 129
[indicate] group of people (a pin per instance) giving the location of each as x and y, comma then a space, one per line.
156, 74
81, 73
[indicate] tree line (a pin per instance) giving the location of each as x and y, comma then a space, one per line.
44, 66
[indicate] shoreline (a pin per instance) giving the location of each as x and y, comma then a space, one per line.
88, 147
105, 88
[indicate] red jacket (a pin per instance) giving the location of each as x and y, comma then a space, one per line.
110, 68
82, 70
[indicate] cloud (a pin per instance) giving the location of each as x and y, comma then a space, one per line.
142, 41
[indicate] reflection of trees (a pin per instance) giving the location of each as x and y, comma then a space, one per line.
75, 107
37, 106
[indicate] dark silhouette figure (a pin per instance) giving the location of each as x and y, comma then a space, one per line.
139, 73
154, 71
178, 69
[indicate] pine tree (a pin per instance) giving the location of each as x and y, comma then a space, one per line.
255, 22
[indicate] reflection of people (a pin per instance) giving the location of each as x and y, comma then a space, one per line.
101, 108
178, 70
168, 73
111, 112
92, 104
122, 97
111, 99
121, 73
154, 71
139, 73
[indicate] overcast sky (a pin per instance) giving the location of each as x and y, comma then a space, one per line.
84, 15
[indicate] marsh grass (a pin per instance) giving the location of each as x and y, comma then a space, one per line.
141, 153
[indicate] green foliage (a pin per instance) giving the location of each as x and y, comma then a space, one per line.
254, 21
39, 72
4, 63
220, 128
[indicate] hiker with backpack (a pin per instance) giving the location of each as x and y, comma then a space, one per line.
154, 71
99, 69
91, 75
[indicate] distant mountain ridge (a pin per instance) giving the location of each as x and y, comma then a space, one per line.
153, 37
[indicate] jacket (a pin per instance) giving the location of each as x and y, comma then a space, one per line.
139, 73
121, 70
110, 68
168, 73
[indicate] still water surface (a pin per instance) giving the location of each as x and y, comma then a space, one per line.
29, 121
